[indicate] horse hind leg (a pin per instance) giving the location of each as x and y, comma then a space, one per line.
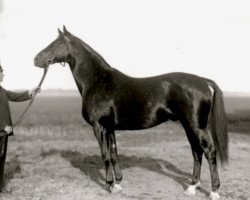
210, 154
208, 148
195, 183
197, 155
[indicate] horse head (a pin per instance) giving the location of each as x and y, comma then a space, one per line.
56, 52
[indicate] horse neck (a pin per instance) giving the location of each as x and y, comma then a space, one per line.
79, 86
95, 55
87, 71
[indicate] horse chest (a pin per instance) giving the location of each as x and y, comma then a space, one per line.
94, 110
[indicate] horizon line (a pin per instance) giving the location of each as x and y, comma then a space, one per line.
54, 91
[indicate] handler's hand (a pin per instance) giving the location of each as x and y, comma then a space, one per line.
8, 129
34, 90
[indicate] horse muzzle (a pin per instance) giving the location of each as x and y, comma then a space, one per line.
37, 62
43, 63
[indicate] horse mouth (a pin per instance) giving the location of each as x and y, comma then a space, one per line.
44, 64
41, 65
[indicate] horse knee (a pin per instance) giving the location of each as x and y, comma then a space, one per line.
207, 147
106, 157
210, 153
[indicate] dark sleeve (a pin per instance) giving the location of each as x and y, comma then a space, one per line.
2, 125
17, 96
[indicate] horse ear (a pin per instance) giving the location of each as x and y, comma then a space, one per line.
66, 31
67, 34
60, 32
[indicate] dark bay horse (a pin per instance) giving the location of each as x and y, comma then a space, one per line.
113, 101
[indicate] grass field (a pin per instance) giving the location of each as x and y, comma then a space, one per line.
54, 155
238, 114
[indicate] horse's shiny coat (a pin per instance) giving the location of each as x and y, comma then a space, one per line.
113, 101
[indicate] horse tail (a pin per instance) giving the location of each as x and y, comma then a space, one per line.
218, 123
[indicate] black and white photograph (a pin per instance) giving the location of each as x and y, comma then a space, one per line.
124, 100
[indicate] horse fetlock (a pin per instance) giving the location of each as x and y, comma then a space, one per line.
109, 177
195, 180
215, 185
118, 177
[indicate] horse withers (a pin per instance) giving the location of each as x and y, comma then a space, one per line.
113, 101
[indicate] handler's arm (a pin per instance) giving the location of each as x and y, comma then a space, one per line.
17, 96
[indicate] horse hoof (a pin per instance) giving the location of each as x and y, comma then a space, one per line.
116, 188
108, 187
214, 196
191, 189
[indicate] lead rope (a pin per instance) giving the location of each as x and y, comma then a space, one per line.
21, 117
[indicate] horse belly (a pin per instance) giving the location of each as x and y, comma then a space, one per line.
142, 119
158, 116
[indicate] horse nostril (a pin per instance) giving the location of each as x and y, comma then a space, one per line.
36, 59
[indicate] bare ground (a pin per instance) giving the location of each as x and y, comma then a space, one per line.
65, 163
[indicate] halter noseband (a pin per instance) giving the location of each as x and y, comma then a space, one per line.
49, 61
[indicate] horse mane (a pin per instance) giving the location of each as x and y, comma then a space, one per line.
94, 54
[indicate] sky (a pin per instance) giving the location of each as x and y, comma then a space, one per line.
141, 38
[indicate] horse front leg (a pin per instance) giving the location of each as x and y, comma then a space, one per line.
117, 171
103, 138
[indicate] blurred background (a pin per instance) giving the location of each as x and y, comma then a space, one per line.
141, 38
